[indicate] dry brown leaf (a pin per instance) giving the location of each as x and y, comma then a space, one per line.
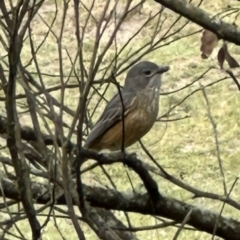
223, 54
204, 56
231, 61
209, 42
221, 57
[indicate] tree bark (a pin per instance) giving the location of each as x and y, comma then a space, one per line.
223, 30
107, 199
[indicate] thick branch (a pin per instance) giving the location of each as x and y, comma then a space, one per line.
201, 219
132, 162
222, 29
13, 127
103, 219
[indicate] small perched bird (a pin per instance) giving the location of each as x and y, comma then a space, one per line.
136, 108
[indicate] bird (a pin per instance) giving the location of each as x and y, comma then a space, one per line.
134, 108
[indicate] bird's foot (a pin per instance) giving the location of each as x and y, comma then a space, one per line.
125, 154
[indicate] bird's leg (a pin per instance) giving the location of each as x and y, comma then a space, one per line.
124, 154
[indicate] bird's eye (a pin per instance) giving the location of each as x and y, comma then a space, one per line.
147, 72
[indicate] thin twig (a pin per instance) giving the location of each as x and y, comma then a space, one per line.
217, 144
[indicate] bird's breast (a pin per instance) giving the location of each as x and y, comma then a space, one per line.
148, 101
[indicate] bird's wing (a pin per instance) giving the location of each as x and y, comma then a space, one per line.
112, 114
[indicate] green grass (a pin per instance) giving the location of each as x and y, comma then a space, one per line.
186, 145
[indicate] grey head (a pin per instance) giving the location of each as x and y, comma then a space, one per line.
144, 74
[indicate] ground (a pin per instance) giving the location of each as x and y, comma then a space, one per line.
185, 147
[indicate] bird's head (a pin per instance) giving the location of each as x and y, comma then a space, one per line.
145, 74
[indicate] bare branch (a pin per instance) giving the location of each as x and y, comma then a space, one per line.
201, 219
222, 29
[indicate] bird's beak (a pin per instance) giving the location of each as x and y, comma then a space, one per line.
163, 69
